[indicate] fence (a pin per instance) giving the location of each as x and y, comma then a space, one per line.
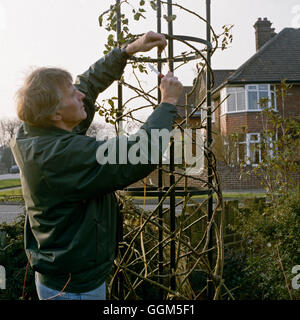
232, 208
193, 226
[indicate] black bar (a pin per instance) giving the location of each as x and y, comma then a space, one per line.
160, 173
172, 167
120, 92
119, 121
209, 146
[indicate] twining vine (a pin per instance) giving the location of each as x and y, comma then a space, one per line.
138, 261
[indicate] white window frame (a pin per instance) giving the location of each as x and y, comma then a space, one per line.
257, 89
246, 89
236, 91
238, 150
270, 140
248, 149
248, 142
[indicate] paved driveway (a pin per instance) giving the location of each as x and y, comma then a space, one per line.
9, 212
10, 176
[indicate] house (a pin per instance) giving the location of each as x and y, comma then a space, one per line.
277, 57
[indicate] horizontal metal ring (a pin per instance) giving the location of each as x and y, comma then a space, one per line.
155, 192
189, 38
179, 59
195, 57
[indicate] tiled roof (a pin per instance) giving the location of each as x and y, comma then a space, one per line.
220, 76
278, 59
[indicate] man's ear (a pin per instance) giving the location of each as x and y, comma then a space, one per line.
56, 116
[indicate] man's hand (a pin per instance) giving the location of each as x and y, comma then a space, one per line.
146, 42
171, 88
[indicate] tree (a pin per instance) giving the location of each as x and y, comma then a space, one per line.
8, 128
100, 130
280, 149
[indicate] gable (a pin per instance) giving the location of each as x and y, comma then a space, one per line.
278, 59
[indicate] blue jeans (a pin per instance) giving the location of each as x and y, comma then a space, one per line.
46, 293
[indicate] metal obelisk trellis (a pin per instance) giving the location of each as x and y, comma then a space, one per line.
209, 137
161, 191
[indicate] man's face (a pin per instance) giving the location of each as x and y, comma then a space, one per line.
72, 110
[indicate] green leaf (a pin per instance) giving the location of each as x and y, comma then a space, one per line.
100, 19
141, 68
170, 18
153, 5
137, 16
142, 2
111, 103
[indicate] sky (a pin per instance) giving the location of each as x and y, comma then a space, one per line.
66, 34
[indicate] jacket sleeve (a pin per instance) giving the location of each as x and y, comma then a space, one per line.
96, 79
82, 176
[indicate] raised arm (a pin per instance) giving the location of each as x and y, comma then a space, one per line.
89, 167
109, 68
96, 79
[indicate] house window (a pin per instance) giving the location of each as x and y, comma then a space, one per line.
244, 148
241, 148
268, 147
249, 148
256, 93
235, 148
253, 148
236, 100
248, 98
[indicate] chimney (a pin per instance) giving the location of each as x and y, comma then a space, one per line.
263, 32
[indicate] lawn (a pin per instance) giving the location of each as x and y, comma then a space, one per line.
11, 195
226, 195
13, 192
10, 183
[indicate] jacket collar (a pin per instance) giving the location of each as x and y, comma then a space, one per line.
42, 131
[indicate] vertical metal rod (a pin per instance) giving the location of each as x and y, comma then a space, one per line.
160, 209
209, 145
119, 114
120, 91
172, 167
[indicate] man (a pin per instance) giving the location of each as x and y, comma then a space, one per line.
72, 213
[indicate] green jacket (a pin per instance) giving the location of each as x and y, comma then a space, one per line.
71, 209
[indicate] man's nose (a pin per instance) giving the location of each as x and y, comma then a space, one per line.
81, 95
